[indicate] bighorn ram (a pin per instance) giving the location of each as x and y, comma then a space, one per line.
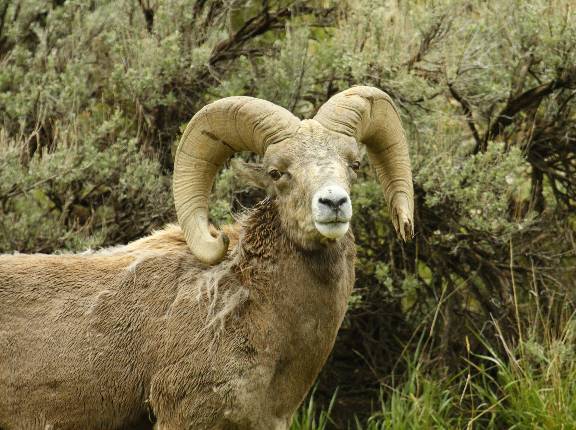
199, 328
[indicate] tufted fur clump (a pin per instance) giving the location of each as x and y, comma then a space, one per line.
120, 338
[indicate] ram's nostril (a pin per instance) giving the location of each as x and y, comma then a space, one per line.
334, 204
326, 202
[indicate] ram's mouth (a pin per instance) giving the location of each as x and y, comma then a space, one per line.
332, 229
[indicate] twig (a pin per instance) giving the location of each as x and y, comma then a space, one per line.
467, 112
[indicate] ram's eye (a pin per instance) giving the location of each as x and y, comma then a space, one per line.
275, 174
355, 166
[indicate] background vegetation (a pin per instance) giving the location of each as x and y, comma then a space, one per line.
471, 324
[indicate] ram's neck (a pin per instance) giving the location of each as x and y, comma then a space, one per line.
297, 300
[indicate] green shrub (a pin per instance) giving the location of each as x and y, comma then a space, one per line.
94, 97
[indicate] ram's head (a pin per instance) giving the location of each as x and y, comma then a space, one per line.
307, 166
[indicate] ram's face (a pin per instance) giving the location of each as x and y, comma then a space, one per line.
310, 177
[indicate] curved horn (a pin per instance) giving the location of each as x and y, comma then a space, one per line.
215, 133
370, 116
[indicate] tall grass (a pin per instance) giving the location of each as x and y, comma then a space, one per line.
527, 386
310, 418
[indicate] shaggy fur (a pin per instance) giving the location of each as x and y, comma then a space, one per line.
112, 339
104, 340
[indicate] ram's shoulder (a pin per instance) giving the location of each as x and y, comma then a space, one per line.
171, 239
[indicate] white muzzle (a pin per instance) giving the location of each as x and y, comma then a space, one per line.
332, 211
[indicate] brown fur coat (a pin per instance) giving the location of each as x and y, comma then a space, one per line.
106, 340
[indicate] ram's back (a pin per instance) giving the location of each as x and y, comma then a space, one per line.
75, 331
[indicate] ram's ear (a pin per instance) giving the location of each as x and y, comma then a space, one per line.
250, 174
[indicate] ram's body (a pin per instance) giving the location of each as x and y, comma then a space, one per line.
103, 340
181, 326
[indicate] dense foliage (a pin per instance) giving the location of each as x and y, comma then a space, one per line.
457, 327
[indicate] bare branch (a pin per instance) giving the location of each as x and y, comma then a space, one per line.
467, 112
525, 100
430, 37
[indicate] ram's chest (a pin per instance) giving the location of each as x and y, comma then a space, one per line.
294, 332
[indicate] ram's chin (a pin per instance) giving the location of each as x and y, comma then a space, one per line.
332, 230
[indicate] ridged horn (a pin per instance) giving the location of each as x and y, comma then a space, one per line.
215, 133
369, 115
